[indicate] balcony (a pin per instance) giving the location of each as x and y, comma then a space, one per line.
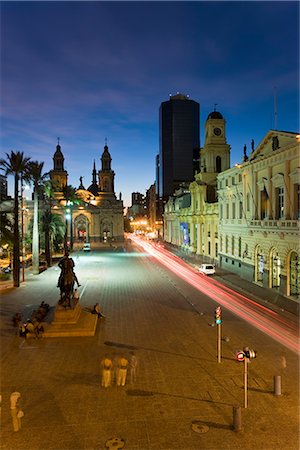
293, 225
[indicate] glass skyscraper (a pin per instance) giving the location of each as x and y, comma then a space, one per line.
179, 143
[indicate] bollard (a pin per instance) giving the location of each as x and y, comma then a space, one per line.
237, 418
277, 384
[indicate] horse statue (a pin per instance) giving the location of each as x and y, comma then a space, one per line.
66, 280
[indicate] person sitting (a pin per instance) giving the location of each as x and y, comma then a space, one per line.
96, 310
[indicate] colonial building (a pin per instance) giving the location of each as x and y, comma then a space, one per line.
191, 215
100, 216
259, 214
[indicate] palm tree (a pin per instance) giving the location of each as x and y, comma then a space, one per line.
70, 198
16, 164
49, 191
35, 170
53, 226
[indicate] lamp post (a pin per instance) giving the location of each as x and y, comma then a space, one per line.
22, 231
69, 218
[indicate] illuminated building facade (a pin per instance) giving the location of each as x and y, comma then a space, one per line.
100, 218
191, 215
259, 214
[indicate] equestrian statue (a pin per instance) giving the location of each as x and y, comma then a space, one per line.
66, 280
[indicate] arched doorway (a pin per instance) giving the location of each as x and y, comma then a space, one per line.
294, 275
81, 228
275, 265
259, 265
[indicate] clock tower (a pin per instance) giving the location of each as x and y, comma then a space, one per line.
215, 155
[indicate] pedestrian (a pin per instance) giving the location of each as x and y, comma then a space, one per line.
133, 367
107, 367
16, 412
122, 371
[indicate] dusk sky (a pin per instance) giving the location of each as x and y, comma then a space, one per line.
86, 71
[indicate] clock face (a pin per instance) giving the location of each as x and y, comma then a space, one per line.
217, 131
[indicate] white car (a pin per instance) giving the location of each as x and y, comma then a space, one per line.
207, 269
86, 247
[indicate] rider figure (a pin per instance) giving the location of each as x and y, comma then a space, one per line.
66, 265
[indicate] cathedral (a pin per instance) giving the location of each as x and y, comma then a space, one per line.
98, 216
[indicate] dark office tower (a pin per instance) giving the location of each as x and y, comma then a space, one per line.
178, 143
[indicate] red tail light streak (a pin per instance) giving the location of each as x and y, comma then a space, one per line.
264, 319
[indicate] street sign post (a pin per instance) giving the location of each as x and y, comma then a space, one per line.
218, 321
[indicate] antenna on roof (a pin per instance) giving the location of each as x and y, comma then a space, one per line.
275, 108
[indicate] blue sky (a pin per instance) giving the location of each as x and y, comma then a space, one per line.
86, 71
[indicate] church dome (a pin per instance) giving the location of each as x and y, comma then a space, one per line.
215, 115
93, 188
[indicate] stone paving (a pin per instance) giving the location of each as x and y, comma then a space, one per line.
179, 382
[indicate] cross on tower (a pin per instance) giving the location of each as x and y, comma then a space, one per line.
215, 104
58, 140
106, 141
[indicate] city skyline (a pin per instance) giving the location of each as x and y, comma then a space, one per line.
89, 71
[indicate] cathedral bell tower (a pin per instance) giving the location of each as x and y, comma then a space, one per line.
106, 175
215, 155
58, 175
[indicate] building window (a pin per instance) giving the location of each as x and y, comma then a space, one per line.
227, 211
232, 181
241, 210
226, 182
208, 233
216, 250
240, 177
221, 211
248, 202
263, 204
233, 210
279, 203
240, 247
297, 201
232, 245
218, 164
209, 247
226, 245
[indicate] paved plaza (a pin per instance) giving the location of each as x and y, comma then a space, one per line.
181, 399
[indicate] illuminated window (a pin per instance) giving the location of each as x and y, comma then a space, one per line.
279, 194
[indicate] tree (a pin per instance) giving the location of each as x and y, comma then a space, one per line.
48, 230
70, 198
35, 170
16, 164
53, 227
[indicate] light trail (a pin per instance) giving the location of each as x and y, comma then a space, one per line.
264, 319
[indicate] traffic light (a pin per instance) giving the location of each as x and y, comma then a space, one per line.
218, 319
249, 353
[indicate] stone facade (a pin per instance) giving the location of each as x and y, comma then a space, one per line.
101, 217
191, 215
259, 214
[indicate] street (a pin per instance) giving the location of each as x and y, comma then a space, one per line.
180, 387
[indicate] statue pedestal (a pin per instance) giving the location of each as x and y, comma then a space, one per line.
71, 322
67, 315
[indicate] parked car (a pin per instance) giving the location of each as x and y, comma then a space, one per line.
207, 269
6, 269
86, 247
